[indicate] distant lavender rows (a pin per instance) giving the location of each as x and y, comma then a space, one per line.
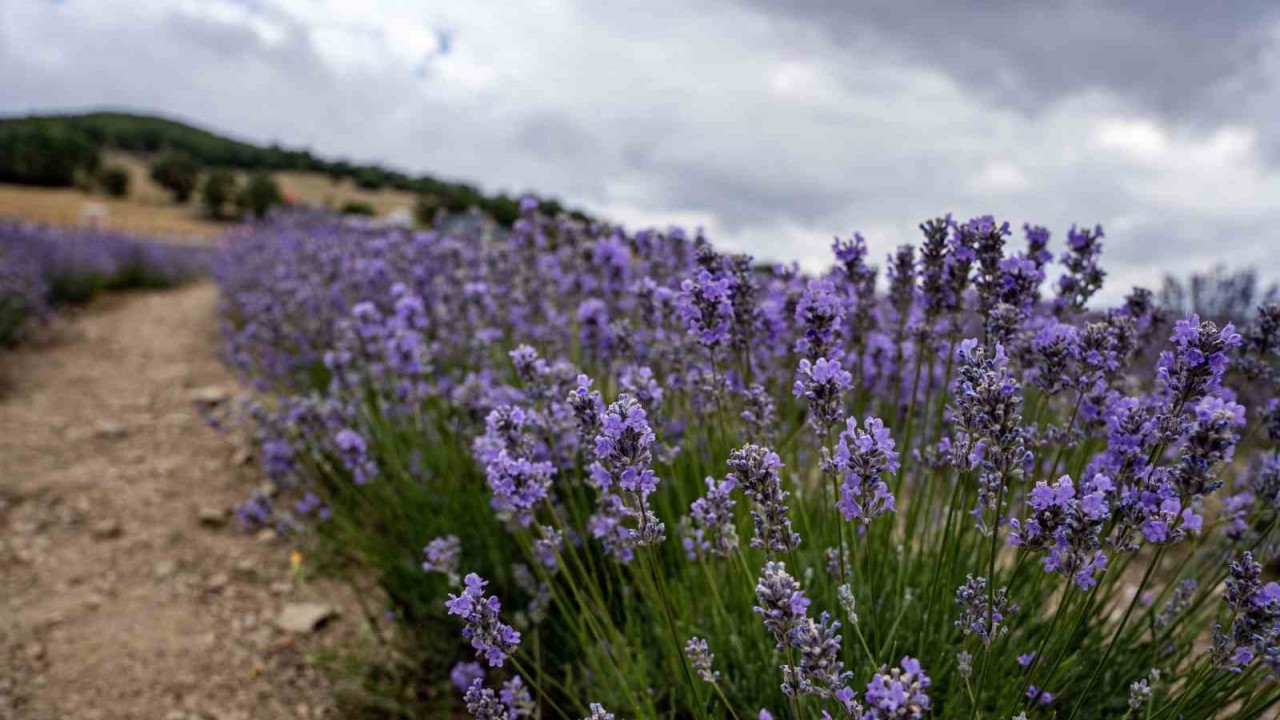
42, 267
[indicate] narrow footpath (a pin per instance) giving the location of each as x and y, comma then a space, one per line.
126, 589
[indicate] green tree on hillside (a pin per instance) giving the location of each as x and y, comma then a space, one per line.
114, 180
358, 207
218, 192
259, 194
176, 172
40, 155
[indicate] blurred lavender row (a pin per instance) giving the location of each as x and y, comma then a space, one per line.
43, 267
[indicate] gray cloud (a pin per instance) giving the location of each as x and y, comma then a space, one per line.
1171, 56
773, 130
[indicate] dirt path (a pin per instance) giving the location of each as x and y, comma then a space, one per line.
122, 594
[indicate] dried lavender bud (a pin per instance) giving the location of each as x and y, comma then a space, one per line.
700, 659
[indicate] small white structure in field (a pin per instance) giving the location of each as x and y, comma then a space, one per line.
400, 217
94, 215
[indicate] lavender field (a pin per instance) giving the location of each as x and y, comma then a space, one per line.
43, 267
593, 473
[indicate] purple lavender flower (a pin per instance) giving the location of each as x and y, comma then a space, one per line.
516, 697
599, 713
1067, 527
982, 614
484, 704
1083, 276
511, 455
759, 412
1053, 349
465, 674
1039, 695
782, 603
706, 308
858, 281
548, 546
519, 486
863, 456
822, 385
898, 692
1210, 443
712, 524
1178, 602
987, 415
355, 455
587, 407
819, 313
820, 672
934, 256
1198, 361
444, 556
1255, 617
490, 637
622, 449
755, 470
988, 239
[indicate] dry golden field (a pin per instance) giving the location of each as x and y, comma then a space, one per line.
149, 210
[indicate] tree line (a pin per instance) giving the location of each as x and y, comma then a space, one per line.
62, 150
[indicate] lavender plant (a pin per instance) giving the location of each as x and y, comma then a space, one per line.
699, 486
42, 267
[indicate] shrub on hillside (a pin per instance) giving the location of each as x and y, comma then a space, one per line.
218, 192
260, 194
358, 207
176, 172
114, 180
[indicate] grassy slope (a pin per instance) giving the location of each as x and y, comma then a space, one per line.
149, 210
144, 134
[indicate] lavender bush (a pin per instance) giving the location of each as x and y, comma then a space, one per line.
683, 483
42, 267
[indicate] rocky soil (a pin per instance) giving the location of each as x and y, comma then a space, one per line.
126, 590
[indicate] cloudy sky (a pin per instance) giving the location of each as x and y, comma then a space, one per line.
774, 129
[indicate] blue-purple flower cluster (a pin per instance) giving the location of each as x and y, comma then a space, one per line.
980, 466
42, 267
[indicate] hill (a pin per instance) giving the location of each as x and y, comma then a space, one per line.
47, 150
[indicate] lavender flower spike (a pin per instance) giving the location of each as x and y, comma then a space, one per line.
755, 470
783, 605
492, 638
444, 557
822, 385
861, 459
